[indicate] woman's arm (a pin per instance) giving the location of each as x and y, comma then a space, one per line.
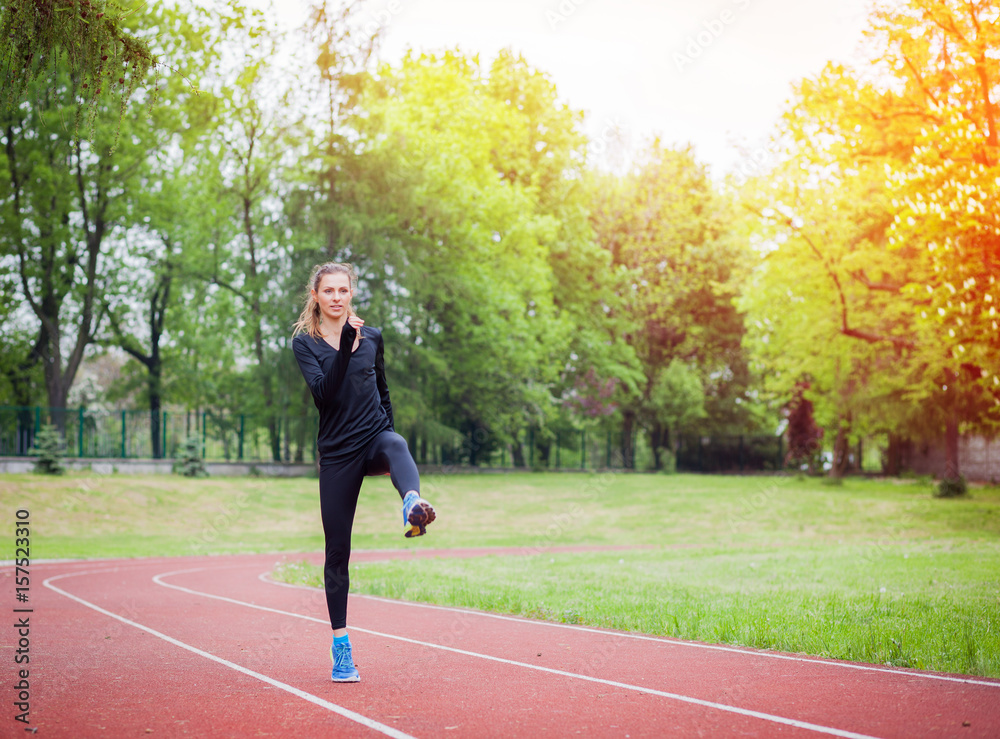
383, 386
324, 386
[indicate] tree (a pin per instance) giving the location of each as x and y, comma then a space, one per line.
237, 242
59, 207
480, 337
913, 137
167, 215
804, 435
68, 204
667, 226
822, 301
93, 41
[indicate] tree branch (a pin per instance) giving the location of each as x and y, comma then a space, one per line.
845, 328
861, 277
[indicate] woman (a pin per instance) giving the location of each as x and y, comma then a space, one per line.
342, 362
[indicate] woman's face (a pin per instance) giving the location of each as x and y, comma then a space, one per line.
333, 295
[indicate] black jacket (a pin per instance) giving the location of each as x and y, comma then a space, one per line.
349, 390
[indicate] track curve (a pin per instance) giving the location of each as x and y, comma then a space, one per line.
209, 646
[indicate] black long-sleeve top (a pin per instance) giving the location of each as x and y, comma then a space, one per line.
349, 389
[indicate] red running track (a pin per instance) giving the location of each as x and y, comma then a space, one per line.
210, 647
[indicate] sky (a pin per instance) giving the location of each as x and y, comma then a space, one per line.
712, 74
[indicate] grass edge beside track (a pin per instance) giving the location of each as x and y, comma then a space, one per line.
941, 633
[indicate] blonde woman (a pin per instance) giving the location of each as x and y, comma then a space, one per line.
342, 362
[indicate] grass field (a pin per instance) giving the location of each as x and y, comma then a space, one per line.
875, 571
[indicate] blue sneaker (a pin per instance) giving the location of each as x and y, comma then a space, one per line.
417, 513
344, 670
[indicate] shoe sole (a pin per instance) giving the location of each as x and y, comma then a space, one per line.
421, 515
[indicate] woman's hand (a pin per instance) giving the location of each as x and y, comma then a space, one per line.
356, 322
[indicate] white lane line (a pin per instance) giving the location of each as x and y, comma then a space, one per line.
345, 712
265, 577
562, 673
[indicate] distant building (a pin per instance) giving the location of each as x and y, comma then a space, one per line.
978, 458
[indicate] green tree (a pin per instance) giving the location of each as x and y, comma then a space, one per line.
95, 42
63, 201
483, 169
168, 224
665, 224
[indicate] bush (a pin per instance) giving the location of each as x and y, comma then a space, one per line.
48, 448
189, 462
668, 460
952, 488
804, 436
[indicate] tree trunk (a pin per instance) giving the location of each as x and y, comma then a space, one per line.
628, 452
656, 443
841, 451
517, 453
951, 466
155, 432
893, 454
544, 450
153, 362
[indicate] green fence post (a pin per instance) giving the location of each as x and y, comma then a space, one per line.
583, 449
163, 444
79, 431
204, 434
607, 462
531, 448
38, 419
124, 454
242, 419
557, 450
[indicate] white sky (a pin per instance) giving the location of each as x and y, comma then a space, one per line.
712, 74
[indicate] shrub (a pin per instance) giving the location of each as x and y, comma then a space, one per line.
49, 449
952, 488
189, 462
804, 436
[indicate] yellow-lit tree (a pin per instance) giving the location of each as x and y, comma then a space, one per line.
880, 218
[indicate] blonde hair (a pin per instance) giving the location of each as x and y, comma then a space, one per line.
310, 318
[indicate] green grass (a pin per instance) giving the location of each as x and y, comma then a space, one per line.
938, 610
875, 571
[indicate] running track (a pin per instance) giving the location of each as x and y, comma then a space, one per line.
210, 647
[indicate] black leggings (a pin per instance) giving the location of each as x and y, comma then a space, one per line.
339, 486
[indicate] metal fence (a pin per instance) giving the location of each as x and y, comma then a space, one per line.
244, 437
127, 434
730, 453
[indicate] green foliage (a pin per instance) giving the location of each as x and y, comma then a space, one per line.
484, 340
677, 395
952, 488
670, 239
516, 289
189, 462
66, 206
879, 270
50, 448
89, 38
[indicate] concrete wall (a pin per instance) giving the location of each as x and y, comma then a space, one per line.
162, 467
234, 469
